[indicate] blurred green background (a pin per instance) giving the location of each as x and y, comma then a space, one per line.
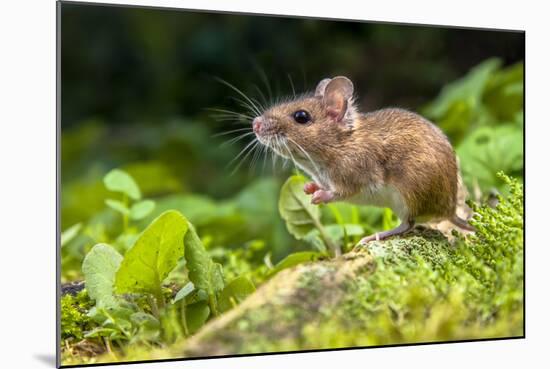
137, 85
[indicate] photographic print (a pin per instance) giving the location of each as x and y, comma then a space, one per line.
240, 184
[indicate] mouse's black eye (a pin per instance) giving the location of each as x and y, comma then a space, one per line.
301, 116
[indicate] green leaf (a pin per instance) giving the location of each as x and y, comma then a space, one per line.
459, 106
336, 231
99, 268
70, 233
184, 291
154, 255
148, 327
196, 315
119, 181
504, 94
117, 206
389, 220
141, 209
203, 272
141, 318
295, 259
489, 150
295, 207
235, 292
468, 89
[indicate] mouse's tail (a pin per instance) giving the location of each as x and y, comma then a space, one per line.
461, 223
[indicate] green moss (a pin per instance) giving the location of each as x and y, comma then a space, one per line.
74, 320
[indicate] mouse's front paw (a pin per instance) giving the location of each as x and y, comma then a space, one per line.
322, 197
311, 187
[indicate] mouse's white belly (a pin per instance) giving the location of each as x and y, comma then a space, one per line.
385, 196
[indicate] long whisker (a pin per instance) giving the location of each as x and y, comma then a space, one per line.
235, 139
265, 103
255, 142
291, 156
291, 85
256, 110
231, 131
229, 112
242, 151
223, 115
315, 167
255, 157
265, 152
259, 104
264, 79
244, 104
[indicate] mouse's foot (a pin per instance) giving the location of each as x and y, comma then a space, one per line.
311, 187
322, 197
404, 227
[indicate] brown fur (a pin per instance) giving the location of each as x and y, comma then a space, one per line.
385, 147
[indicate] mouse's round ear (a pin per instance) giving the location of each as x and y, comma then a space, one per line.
320, 90
335, 98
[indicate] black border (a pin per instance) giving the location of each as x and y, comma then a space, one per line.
59, 3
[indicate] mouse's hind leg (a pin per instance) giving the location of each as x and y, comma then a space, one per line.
404, 227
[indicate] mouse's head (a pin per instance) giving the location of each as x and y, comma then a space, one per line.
307, 125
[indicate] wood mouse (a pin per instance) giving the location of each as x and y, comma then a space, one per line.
388, 158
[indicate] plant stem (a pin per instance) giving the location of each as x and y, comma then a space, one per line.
212, 302
160, 299
184, 318
124, 216
326, 239
153, 304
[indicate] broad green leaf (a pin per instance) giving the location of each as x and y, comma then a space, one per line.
489, 150
115, 321
459, 106
117, 206
118, 180
504, 93
295, 207
148, 326
468, 89
141, 318
336, 231
315, 240
295, 259
184, 291
196, 315
99, 268
70, 233
235, 292
154, 255
195, 296
203, 272
141, 209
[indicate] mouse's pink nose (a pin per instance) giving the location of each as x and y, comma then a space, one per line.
256, 124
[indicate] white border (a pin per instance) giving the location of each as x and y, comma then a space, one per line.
27, 153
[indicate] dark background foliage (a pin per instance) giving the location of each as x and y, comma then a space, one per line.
133, 64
